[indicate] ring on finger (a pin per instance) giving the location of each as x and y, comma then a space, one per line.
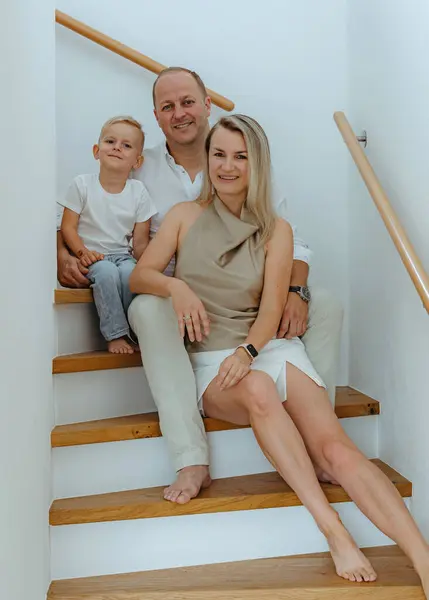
187, 318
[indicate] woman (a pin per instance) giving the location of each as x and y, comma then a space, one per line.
234, 260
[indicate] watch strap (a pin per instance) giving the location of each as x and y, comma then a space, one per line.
250, 349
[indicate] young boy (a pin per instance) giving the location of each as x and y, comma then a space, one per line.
102, 212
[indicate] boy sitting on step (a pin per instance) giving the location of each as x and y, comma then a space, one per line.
102, 213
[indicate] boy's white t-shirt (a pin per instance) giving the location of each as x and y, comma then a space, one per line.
107, 220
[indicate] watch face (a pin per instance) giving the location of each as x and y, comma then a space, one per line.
252, 350
305, 294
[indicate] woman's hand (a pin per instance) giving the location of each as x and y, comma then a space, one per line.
233, 369
190, 311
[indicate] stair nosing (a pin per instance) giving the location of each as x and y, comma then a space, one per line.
146, 425
288, 574
271, 492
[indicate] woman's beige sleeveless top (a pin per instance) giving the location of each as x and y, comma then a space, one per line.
221, 261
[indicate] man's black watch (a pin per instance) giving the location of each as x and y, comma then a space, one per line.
303, 292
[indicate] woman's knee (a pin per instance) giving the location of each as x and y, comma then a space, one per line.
338, 456
259, 393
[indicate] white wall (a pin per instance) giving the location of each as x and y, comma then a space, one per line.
282, 61
389, 341
27, 192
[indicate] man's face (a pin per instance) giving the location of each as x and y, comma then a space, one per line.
181, 109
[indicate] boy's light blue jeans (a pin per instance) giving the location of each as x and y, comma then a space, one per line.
109, 282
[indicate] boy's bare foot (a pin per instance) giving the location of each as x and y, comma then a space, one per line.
188, 484
120, 346
350, 562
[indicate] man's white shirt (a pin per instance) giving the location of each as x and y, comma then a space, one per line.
169, 183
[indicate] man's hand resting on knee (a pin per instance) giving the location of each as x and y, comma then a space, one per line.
70, 272
295, 318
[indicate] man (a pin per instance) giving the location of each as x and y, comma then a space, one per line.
172, 172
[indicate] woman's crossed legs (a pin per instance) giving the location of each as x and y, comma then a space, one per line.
255, 401
309, 431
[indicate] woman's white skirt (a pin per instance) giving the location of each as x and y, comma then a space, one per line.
272, 360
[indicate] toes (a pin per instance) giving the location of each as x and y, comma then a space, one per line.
183, 498
171, 495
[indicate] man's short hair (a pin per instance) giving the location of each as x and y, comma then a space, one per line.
180, 70
123, 119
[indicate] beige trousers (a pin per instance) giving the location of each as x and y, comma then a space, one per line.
171, 378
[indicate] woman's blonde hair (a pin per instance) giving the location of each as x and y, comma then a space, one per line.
259, 197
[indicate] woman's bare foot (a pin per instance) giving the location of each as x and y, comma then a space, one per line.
120, 346
424, 576
350, 562
188, 484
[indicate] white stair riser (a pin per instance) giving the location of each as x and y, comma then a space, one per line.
78, 329
101, 395
145, 544
115, 466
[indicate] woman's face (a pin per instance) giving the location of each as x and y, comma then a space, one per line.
228, 163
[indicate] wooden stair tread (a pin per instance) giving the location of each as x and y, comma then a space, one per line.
248, 492
285, 578
94, 361
72, 296
349, 403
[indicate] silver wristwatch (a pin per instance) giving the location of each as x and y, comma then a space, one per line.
302, 290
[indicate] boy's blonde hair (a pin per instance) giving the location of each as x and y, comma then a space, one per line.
123, 119
259, 194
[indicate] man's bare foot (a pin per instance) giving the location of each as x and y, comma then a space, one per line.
120, 346
324, 477
350, 562
188, 484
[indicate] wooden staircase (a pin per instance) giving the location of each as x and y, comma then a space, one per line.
349, 403
309, 577
96, 523
248, 492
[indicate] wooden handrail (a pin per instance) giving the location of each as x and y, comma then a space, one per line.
397, 233
136, 57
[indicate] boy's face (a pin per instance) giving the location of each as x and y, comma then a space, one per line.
119, 148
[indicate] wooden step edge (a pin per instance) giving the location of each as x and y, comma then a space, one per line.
248, 492
300, 577
349, 404
94, 361
73, 296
